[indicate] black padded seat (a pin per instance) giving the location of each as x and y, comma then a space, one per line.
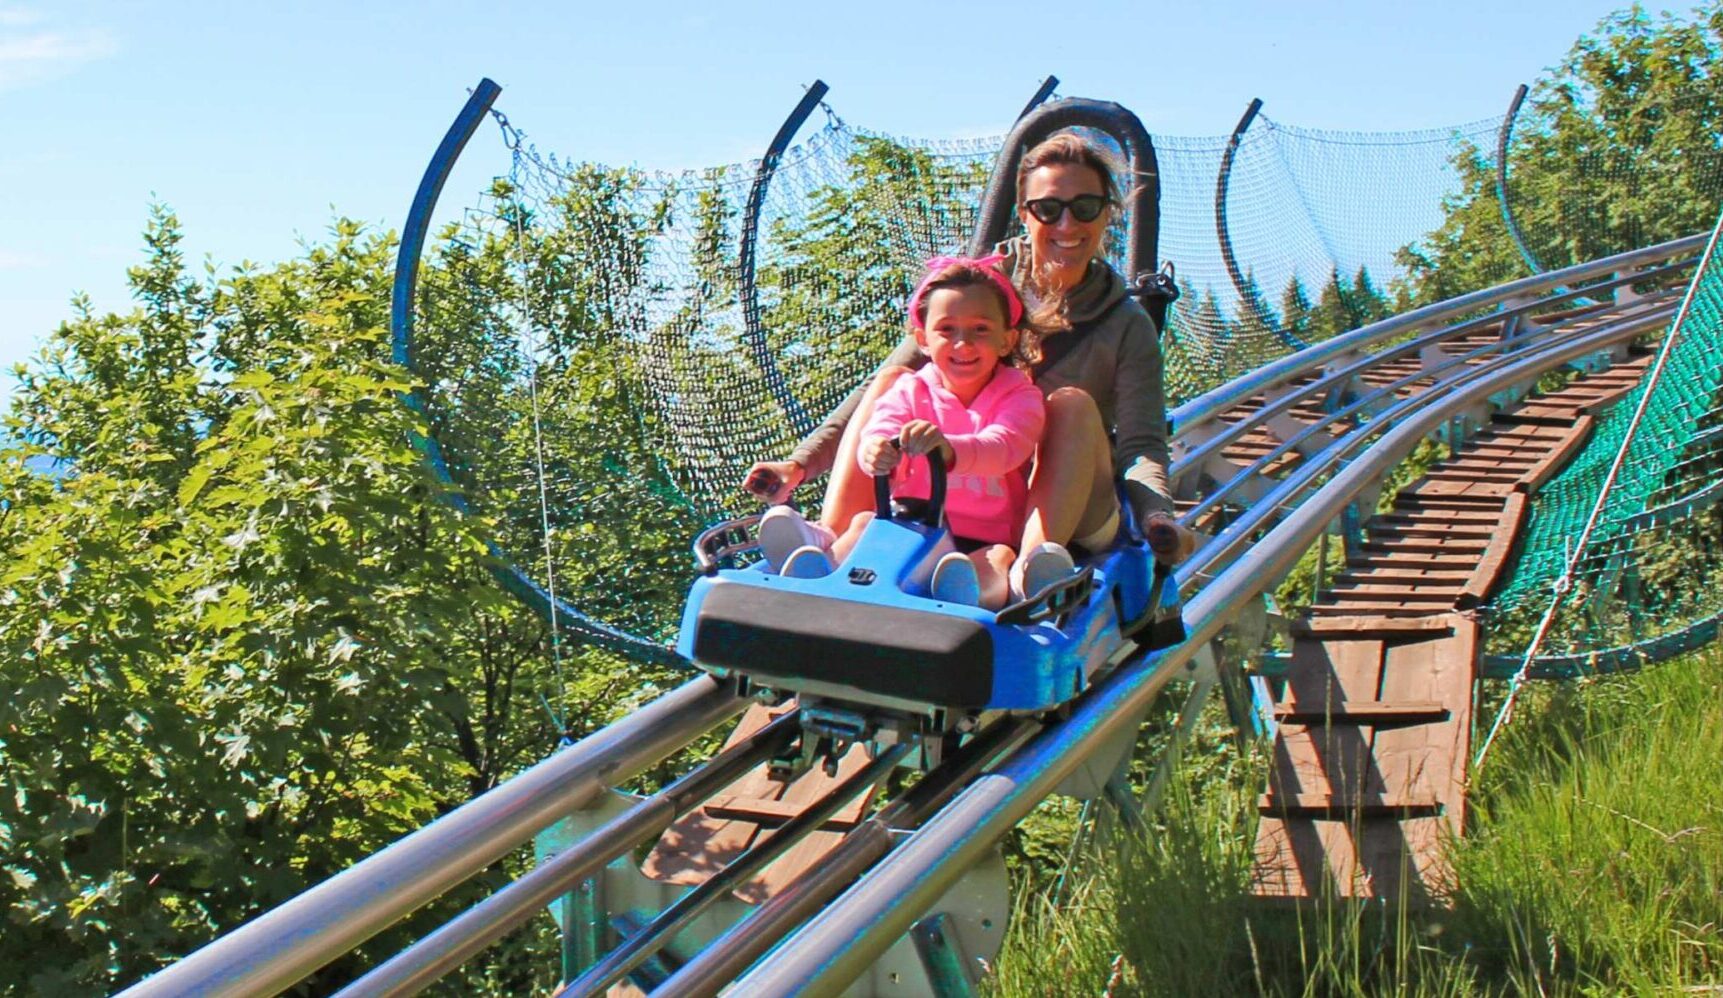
931, 658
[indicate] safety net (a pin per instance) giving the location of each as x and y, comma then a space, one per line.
1623, 552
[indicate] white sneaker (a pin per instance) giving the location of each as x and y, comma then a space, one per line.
807, 562
955, 580
1046, 564
783, 530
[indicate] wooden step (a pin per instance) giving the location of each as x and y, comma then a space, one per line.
1436, 500
1332, 806
1416, 563
1410, 546
1363, 625
1390, 593
1454, 580
1368, 608
1390, 531
1376, 713
769, 813
1481, 520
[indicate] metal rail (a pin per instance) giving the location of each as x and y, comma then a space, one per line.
1441, 374
1210, 405
653, 936
278, 948
838, 944
728, 955
1337, 377
460, 938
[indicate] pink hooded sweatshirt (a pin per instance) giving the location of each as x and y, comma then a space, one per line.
993, 437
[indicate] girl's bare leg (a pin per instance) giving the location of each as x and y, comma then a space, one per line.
1071, 490
848, 491
993, 569
846, 541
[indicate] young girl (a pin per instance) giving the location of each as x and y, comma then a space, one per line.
968, 408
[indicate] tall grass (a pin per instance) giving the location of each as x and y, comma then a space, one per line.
1593, 865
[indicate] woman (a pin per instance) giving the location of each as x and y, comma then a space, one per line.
1100, 370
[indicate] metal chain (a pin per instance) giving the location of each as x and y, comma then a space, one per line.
532, 345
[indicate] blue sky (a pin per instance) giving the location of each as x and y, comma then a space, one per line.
257, 123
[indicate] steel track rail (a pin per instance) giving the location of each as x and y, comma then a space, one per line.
279, 948
1209, 406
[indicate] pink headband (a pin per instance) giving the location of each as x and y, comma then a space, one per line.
985, 264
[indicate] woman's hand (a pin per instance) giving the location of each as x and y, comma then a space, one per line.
879, 455
773, 481
1170, 542
922, 437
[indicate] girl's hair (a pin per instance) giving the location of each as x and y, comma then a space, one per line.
1063, 149
957, 273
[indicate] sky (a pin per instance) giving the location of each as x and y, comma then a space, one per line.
257, 124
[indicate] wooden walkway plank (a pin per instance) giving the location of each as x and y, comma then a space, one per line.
1368, 782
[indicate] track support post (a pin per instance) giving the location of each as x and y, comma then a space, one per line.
581, 928
942, 957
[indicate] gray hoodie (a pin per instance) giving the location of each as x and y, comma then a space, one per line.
1111, 351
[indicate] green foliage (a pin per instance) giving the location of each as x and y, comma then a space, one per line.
243, 642
1617, 148
1593, 867
1598, 860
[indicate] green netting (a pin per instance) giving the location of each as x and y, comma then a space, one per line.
1650, 564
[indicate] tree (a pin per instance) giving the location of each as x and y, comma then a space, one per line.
244, 642
1619, 148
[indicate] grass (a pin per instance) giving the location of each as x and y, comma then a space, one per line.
1593, 865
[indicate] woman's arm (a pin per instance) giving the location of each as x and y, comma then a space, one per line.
773, 481
1140, 449
816, 452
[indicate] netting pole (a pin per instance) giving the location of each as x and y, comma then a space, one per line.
401, 298
1045, 91
1223, 181
413, 244
1504, 137
747, 290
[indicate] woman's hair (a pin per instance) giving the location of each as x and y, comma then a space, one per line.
955, 274
1071, 149
1063, 149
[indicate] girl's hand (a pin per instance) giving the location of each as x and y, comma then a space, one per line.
879, 455
922, 437
773, 481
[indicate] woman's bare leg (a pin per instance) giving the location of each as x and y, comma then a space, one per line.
1071, 490
848, 491
993, 570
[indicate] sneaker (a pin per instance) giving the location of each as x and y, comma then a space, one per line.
955, 581
807, 562
1035, 571
783, 530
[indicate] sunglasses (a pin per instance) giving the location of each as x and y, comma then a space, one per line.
1084, 207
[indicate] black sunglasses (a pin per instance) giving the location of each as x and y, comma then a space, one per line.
1084, 207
